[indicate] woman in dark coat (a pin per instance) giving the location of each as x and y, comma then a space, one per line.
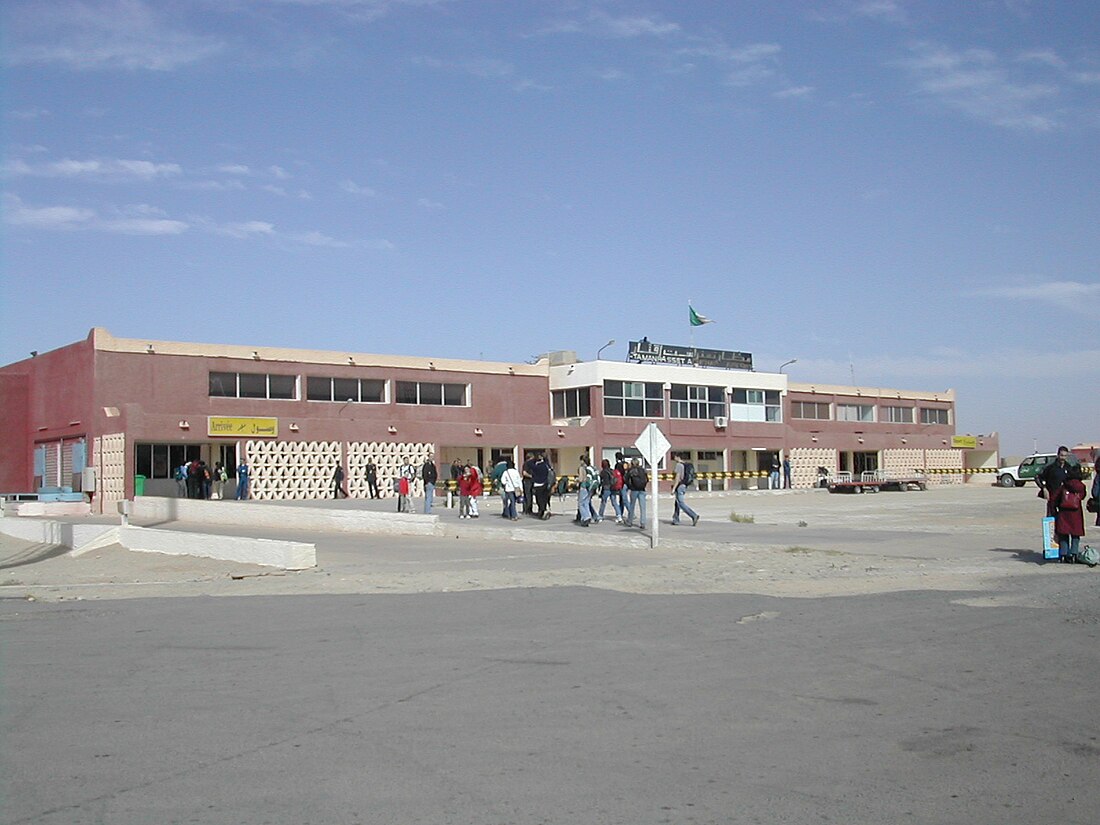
1069, 519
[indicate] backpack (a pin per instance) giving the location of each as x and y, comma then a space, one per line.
1069, 500
689, 473
1089, 555
616, 480
637, 478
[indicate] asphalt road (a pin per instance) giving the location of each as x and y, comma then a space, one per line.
557, 705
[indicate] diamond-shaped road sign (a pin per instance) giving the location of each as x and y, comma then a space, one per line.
652, 444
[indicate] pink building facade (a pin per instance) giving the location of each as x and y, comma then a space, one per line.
130, 408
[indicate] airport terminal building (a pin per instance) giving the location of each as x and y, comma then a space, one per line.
109, 414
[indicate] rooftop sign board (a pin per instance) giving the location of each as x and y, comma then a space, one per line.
649, 353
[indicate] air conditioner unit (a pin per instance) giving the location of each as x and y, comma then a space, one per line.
721, 422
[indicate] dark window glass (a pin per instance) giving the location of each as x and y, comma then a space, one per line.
253, 385
557, 404
431, 394
223, 385
143, 460
345, 388
406, 392
318, 389
612, 406
371, 390
454, 395
614, 388
281, 386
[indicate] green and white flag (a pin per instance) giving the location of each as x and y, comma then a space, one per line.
698, 320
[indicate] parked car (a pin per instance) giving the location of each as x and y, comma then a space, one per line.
1027, 469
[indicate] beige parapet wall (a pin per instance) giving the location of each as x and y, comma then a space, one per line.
77, 537
253, 514
288, 555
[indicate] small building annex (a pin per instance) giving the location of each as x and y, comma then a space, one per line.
133, 407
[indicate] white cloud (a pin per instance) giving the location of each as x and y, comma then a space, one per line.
364, 10
99, 169
137, 220
315, 238
978, 84
354, 188
429, 204
278, 172
794, 92
1070, 296
234, 169
101, 34
246, 229
601, 24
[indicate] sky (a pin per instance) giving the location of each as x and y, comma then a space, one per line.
896, 194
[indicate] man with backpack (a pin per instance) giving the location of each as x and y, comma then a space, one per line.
685, 475
636, 481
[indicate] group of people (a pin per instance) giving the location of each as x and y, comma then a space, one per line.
623, 485
1062, 484
196, 479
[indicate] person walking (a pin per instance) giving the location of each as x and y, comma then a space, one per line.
429, 474
585, 475
512, 482
620, 469
542, 474
1069, 514
338, 488
242, 481
685, 475
528, 476
372, 478
476, 489
636, 482
611, 485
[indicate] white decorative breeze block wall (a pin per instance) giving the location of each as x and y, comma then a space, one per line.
945, 460
298, 470
109, 460
902, 462
280, 470
387, 458
806, 460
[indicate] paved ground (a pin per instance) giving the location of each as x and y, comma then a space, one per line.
901, 658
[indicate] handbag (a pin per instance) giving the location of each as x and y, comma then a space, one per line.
1091, 504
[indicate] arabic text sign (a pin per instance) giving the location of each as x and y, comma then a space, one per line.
228, 427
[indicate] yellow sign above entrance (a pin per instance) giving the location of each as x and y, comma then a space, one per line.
964, 442
217, 425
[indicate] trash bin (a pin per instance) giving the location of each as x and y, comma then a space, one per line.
139, 486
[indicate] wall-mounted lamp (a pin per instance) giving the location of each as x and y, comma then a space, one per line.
294, 427
184, 424
41, 429
860, 439
391, 429
255, 355
149, 349
478, 431
511, 370
944, 441
561, 433
34, 353
74, 423
813, 438
905, 441
351, 361
431, 365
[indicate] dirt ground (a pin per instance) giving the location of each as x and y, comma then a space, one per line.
789, 543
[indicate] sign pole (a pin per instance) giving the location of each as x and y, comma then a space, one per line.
653, 445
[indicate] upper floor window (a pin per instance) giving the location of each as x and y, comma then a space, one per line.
931, 415
812, 410
573, 403
688, 401
755, 405
363, 390
428, 392
635, 399
897, 415
253, 385
855, 412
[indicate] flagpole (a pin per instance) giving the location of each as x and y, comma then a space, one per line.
691, 327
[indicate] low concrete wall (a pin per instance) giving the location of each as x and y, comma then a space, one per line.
79, 537
83, 538
248, 514
47, 508
289, 555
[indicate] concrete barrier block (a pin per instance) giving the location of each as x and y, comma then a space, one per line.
288, 555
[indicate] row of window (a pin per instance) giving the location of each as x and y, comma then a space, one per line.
324, 388
865, 413
643, 399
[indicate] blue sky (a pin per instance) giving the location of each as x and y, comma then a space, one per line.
903, 193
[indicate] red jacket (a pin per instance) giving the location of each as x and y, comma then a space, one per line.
1069, 522
475, 482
